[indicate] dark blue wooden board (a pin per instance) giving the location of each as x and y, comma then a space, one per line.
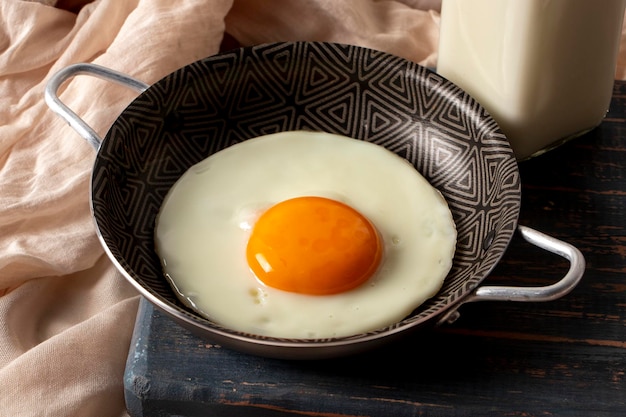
562, 358
449, 372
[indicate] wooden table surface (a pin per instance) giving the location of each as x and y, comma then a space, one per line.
560, 358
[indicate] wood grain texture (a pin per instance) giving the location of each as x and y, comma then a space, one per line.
561, 358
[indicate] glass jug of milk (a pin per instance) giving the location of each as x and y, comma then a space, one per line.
544, 69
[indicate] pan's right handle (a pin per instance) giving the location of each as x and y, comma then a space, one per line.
545, 293
57, 106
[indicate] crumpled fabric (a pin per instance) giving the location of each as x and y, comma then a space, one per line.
67, 314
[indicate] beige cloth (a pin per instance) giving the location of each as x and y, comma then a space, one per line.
67, 315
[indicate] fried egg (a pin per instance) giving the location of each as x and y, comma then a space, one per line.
304, 235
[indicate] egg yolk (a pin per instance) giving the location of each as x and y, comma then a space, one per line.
313, 245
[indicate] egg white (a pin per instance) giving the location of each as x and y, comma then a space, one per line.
206, 219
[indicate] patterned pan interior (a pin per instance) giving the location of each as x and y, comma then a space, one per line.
358, 92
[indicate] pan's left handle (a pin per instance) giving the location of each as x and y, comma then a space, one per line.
57, 106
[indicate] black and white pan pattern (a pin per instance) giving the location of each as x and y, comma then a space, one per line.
366, 94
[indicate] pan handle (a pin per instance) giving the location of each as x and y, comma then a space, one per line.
57, 106
545, 293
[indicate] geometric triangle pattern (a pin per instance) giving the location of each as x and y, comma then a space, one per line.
358, 92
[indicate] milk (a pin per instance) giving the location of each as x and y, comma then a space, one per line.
544, 69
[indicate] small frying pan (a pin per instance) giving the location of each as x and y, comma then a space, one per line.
366, 94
